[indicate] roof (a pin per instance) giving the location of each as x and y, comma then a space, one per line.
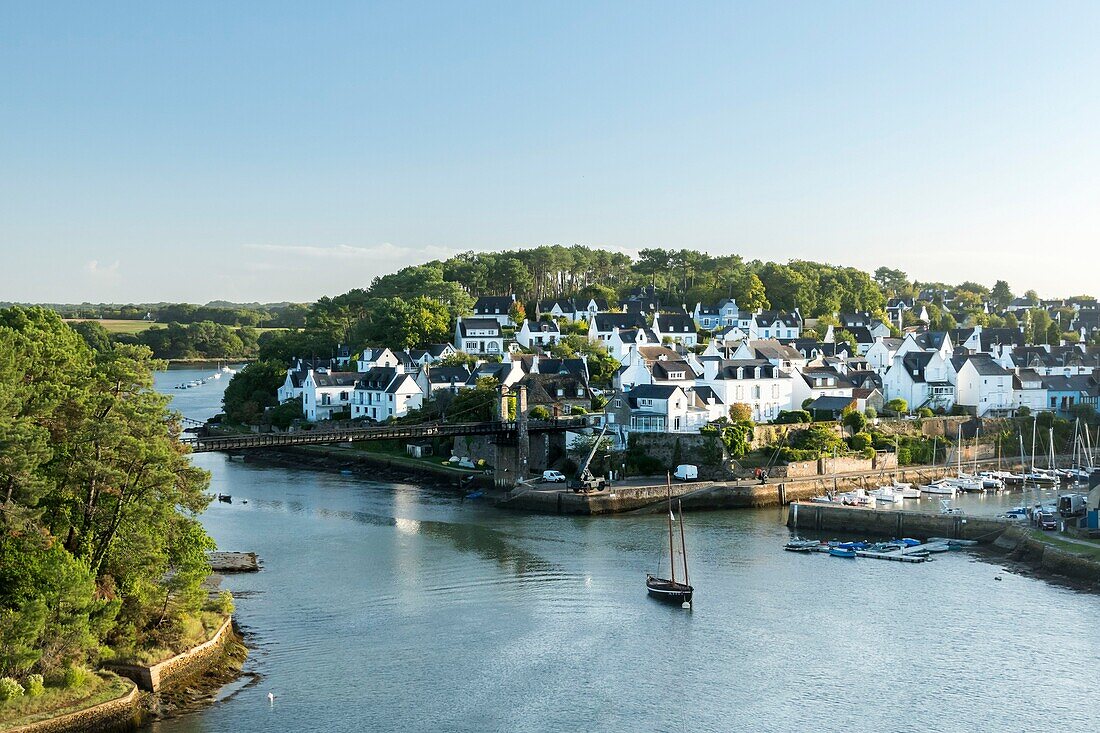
544, 325
931, 339
982, 363
706, 394
665, 368
376, 379
653, 391
831, 403
914, 364
479, 324
609, 321
492, 303
708, 310
565, 305
675, 323
542, 388
1079, 383
767, 318
335, 379
447, 375
772, 349
746, 369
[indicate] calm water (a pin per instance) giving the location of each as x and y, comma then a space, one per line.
392, 607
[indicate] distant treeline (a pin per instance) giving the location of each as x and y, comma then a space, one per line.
203, 340
419, 304
270, 315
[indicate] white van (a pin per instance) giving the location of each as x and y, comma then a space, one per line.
554, 477
686, 472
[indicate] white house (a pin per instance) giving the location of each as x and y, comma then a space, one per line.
325, 393
776, 325
623, 342
602, 325
538, 333
563, 308
496, 307
655, 365
810, 383
922, 379
479, 336
376, 356
656, 408
881, 354
385, 392
983, 386
758, 383
433, 379
1028, 390
780, 355
679, 327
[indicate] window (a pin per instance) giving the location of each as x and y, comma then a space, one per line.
618, 402
775, 391
740, 392
756, 392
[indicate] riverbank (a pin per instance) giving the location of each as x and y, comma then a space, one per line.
1051, 556
368, 465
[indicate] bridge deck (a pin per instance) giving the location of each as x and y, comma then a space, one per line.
206, 444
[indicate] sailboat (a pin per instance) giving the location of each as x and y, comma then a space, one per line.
669, 589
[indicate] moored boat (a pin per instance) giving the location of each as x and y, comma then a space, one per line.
841, 552
669, 589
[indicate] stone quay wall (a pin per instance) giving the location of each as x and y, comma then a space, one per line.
122, 713
180, 667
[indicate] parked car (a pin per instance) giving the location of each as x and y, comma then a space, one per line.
1046, 520
686, 472
554, 477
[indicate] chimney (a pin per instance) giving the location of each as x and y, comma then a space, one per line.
710, 370
534, 365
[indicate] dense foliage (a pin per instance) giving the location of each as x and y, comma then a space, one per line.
252, 390
100, 550
195, 341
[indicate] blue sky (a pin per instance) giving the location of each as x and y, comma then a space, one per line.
283, 151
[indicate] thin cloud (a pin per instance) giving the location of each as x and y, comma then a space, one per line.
98, 270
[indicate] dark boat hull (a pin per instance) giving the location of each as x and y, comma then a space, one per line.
665, 590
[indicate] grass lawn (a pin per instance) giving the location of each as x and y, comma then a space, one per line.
1078, 547
57, 701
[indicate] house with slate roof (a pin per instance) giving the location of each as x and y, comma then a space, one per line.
384, 392
496, 307
479, 336
325, 393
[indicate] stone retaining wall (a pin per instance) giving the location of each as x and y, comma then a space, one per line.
891, 523
1024, 548
122, 713
179, 667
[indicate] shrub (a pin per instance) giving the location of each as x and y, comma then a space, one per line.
577, 410
897, 406
10, 689
1023, 411
854, 420
740, 412
905, 456
35, 685
75, 677
870, 413
868, 452
787, 417
924, 412
539, 412
223, 604
861, 441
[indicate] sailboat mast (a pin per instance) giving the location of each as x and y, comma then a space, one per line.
683, 544
1052, 449
1034, 427
671, 547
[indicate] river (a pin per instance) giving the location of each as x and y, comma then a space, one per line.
393, 607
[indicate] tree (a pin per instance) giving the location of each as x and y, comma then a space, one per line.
898, 406
478, 403
458, 359
1001, 295
517, 312
854, 420
891, 281
251, 391
740, 412
1039, 324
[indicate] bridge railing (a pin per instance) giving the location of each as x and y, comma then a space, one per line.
386, 432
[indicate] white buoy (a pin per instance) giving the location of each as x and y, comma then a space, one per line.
271, 697
685, 604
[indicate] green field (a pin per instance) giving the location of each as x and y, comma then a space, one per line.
116, 326
121, 326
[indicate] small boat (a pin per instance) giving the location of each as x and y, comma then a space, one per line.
799, 545
236, 457
909, 541
475, 494
226, 498
669, 589
940, 488
841, 552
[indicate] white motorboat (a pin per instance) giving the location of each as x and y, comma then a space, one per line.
885, 494
940, 488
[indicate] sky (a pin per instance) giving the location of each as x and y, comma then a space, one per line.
284, 151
